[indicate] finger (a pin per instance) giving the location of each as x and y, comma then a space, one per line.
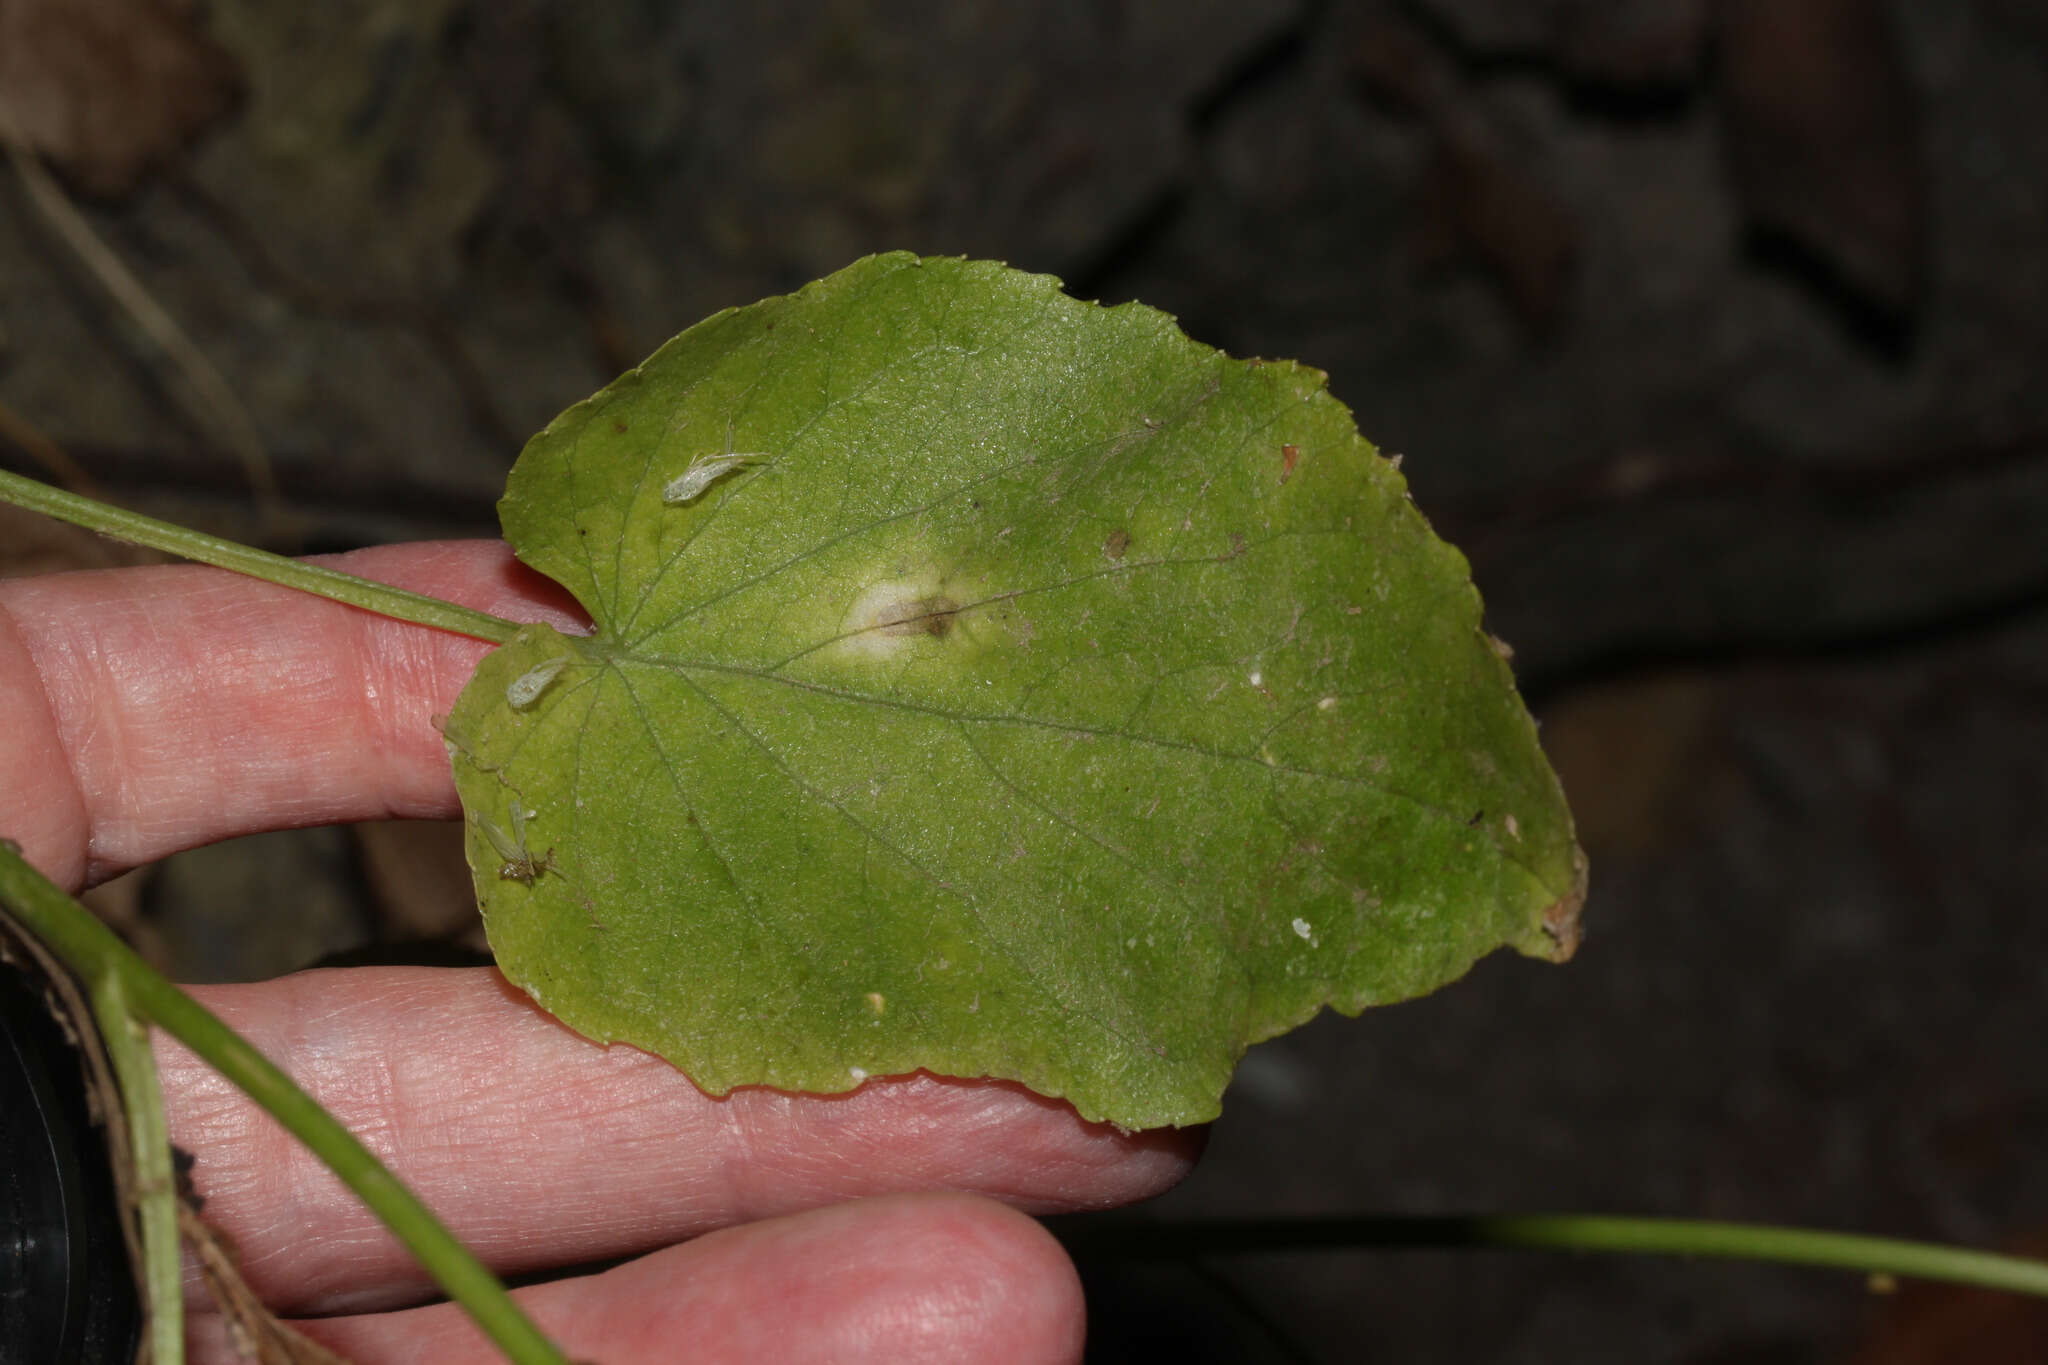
188, 704
540, 1148
934, 1277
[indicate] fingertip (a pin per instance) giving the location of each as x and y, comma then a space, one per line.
1061, 1162
900, 1278
993, 1280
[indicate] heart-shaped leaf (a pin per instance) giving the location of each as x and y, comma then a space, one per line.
992, 683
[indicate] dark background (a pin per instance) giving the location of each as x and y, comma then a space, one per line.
1713, 330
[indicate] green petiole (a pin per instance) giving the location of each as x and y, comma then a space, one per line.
149, 1156
186, 543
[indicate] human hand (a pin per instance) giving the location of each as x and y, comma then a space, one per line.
152, 710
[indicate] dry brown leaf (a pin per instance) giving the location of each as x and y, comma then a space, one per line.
107, 88
1478, 203
1823, 141
1480, 206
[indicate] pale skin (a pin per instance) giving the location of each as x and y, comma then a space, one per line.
151, 710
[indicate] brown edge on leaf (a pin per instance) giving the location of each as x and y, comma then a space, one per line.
1561, 917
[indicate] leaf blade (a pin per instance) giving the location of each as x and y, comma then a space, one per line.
1054, 698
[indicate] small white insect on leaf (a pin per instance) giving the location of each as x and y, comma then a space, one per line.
705, 470
503, 844
524, 690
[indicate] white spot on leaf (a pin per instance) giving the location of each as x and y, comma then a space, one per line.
524, 690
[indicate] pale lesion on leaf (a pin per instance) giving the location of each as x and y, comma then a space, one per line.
891, 613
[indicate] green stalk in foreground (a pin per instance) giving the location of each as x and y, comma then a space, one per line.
149, 1160
98, 957
1569, 1232
186, 543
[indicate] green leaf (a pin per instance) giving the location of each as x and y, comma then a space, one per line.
1044, 695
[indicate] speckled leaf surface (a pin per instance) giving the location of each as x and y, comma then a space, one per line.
1047, 696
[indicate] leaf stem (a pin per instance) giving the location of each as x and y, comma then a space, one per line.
149, 1156
137, 529
1568, 1232
98, 956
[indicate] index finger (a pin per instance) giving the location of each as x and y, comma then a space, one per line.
541, 1148
157, 709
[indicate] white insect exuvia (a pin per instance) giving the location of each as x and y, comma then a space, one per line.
705, 470
524, 690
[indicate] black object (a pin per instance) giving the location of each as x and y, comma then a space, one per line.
67, 1292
